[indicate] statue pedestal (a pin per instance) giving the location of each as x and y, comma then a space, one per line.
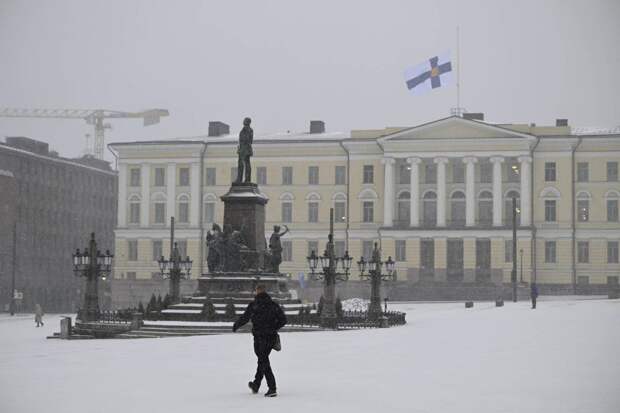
240, 286
244, 211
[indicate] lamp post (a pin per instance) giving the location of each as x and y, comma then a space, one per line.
91, 264
175, 268
376, 275
521, 256
330, 274
513, 273
13, 268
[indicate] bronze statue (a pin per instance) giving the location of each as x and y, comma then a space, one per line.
214, 260
275, 247
244, 150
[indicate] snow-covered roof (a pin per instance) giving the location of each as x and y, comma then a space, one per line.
594, 130
266, 138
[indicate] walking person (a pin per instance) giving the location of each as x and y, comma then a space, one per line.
267, 318
534, 294
38, 315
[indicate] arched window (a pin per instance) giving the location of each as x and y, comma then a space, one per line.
485, 208
429, 201
159, 208
134, 209
404, 208
457, 208
208, 208
551, 197
340, 207
508, 207
611, 200
368, 198
583, 206
183, 208
313, 206
286, 200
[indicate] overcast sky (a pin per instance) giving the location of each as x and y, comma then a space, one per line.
286, 62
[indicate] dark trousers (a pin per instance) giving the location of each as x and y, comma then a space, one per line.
533, 302
244, 168
262, 347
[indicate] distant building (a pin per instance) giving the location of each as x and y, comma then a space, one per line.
58, 202
437, 197
8, 215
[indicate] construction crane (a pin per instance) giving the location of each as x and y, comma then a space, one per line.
93, 117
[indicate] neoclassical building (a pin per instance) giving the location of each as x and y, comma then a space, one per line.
437, 197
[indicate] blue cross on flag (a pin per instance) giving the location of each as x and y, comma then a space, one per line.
435, 72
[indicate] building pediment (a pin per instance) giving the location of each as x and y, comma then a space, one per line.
452, 128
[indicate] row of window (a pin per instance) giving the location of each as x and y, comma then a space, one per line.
483, 253
404, 176
427, 251
429, 210
511, 171
211, 176
160, 177
583, 210
429, 172
583, 252
182, 216
583, 171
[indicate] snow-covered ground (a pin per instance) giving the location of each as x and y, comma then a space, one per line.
562, 357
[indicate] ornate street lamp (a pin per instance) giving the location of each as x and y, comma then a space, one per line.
91, 264
373, 270
332, 269
175, 268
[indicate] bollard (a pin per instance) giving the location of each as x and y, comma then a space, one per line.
65, 328
469, 304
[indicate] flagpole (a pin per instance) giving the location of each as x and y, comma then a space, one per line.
458, 73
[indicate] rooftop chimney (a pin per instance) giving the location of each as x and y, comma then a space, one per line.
561, 122
317, 126
473, 116
218, 128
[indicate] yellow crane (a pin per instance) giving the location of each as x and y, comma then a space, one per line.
93, 117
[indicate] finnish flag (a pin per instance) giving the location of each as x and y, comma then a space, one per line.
434, 73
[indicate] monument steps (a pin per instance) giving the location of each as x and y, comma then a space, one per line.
191, 309
176, 330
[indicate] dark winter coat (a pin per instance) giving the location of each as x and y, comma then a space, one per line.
266, 315
534, 291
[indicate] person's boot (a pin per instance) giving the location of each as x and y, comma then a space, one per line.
271, 393
253, 387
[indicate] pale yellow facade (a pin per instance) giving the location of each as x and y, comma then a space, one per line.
430, 194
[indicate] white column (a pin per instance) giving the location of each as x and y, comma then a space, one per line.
388, 192
145, 193
194, 184
497, 190
122, 195
526, 177
441, 190
470, 196
171, 175
414, 211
